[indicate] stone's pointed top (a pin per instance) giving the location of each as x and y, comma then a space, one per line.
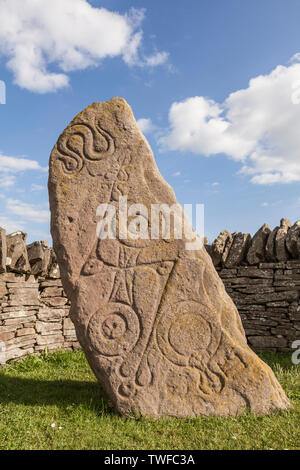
116, 101
285, 223
114, 109
256, 253
17, 256
19, 233
293, 240
154, 320
218, 247
238, 249
265, 227
281, 251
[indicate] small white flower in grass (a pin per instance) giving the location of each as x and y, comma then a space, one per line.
53, 425
234, 437
59, 427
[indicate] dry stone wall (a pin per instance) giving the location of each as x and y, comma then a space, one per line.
262, 276
267, 298
34, 310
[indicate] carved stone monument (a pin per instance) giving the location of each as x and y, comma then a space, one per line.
151, 313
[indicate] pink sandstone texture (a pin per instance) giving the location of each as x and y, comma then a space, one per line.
153, 318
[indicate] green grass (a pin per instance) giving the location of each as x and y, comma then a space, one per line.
60, 389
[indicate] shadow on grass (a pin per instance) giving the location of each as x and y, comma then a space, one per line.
62, 393
65, 393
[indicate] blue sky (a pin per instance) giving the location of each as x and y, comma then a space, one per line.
184, 68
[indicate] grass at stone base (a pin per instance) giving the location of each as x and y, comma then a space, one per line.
54, 402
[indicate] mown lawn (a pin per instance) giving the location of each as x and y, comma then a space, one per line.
54, 402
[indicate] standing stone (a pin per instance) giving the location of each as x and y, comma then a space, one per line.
53, 270
39, 257
218, 247
256, 253
17, 258
280, 247
270, 246
227, 247
3, 249
293, 240
238, 250
153, 317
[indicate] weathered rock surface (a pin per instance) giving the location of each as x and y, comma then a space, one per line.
256, 252
154, 320
238, 249
2, 250
17, 257
293, 240
218, 247
53, 270
280, 247
227, 247
39, 257
270, 246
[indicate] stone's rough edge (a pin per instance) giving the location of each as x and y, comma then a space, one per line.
72, 184
267, 246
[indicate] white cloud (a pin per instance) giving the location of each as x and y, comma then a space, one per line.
295, 58
27, 211
16, 164
145, 125
7, 181
11, 166
40, 235
69, 35
271, 204
177, 173
157, 59
215, 184
37, 187
257, 126
11, 225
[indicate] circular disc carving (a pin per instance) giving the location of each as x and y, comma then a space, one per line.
114, 329
185, 333
189, 333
